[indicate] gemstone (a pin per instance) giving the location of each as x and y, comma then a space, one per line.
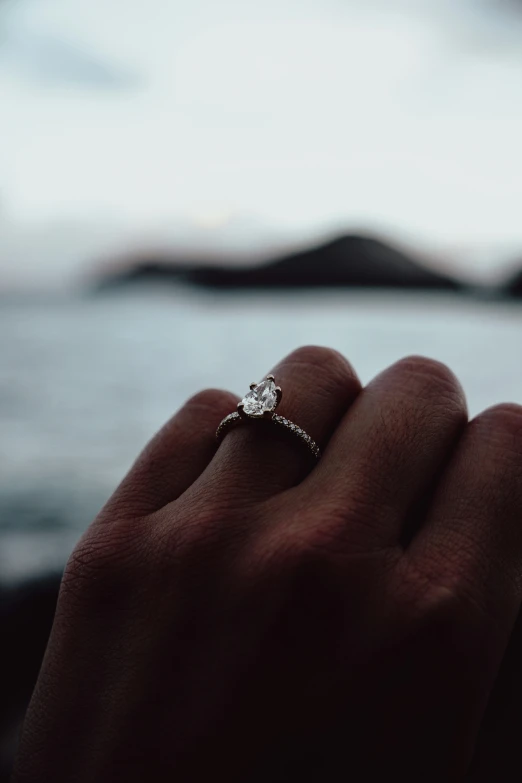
261, 399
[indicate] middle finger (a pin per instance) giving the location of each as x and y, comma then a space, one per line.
388, 449
261, 458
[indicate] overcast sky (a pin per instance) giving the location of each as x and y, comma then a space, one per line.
124, 120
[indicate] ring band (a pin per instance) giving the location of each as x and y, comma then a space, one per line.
260, 403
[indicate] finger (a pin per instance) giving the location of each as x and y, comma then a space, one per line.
174, 458
472, 538
386, 451
261, 458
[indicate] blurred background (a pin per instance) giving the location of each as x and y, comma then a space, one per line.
190, 189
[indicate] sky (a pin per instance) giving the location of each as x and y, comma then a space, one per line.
129, 123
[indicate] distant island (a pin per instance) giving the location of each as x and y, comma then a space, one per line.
513, 287
346, 261
350, 260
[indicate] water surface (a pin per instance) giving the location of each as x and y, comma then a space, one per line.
84, 383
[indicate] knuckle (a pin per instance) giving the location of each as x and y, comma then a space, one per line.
322, 561
354, 525
316, 356
200, 533
208, 401
316, 544
106, 559
325, 364
497, 434
298, 558
433, 378
330, 533
443, 592
194, 532
502, 421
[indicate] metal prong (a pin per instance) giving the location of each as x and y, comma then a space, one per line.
253, 385
241, 411
270, 378
279, 394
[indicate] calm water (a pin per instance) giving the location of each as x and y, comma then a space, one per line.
85, 383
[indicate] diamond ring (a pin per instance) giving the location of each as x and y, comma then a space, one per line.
260, 403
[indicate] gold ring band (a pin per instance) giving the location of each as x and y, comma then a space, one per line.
260, 403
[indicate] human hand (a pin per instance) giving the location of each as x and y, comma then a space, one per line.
497, 754
241, 614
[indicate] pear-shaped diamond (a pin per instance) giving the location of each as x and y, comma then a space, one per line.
261, 399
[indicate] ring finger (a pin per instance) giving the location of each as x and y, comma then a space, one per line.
261, 458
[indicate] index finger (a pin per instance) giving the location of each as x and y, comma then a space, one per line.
471, 542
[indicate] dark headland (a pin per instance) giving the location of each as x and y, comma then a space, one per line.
346, 261
513, 287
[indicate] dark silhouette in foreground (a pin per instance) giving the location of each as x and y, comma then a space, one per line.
26, 616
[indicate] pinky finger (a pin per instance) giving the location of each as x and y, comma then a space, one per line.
174, 458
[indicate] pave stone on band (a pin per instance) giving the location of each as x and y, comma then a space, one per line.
260, 403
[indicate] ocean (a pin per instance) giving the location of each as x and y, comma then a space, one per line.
86, 381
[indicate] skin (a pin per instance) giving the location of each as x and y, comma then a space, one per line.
239, 613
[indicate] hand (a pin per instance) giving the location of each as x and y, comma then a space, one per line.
239, 614
498, 755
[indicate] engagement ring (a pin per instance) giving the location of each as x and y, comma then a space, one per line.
260, 403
